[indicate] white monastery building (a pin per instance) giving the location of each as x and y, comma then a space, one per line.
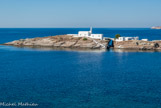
100, 36
88, 34
126, 38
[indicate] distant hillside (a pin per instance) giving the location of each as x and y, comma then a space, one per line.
157, 27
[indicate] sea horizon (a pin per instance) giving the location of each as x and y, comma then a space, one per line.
82, 27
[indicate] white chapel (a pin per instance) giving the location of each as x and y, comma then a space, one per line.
88, 34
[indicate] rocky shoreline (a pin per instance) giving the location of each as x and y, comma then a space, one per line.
138, 45
60, 41
81, 43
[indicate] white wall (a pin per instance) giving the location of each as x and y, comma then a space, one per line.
84, 33
88, 34
127, 38
97, 36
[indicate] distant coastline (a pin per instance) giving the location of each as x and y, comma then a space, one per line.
156, 27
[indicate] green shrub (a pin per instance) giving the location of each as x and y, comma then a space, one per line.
84, 39
117, 36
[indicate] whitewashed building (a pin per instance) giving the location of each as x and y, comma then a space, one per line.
144, 39
88, 34
127, 38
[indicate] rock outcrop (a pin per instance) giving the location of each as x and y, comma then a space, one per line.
66, 41
138, 45
61, 41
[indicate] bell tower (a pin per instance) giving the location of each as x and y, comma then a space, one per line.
91, 30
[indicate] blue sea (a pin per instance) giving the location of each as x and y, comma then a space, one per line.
79, 79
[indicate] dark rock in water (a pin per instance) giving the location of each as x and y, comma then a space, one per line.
156, 45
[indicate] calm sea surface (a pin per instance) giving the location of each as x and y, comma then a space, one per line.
80, 79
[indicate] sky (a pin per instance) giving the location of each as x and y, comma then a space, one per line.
80, 13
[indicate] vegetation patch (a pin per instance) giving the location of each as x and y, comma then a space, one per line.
117, 36
84, 39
